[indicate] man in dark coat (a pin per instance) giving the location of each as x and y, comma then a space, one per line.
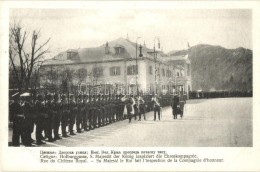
17, 117
27, 107
41, 116
57, 116
174, 105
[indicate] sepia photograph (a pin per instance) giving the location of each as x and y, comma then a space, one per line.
130, 77
129, 86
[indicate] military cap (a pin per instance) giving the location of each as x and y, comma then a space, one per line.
63, 96
71, 95
26, 94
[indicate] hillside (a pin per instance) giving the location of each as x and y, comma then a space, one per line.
218, 68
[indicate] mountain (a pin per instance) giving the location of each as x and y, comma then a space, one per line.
218, 68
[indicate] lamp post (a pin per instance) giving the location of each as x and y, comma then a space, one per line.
155, 69
136, 73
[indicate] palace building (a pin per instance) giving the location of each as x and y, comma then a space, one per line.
118, 66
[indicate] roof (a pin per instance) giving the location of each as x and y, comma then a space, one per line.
97, 54
176, 58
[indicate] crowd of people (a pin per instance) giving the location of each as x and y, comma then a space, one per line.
53, 113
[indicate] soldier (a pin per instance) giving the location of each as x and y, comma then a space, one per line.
57, 116
99, 111
141, 104
72, 114
136, 110
103, 110
17, 117
40, 119
86, 121
27, 107
121, 106
64, 115
117, 107
49, 120
156, 107
174, 105
130, 108
79, 118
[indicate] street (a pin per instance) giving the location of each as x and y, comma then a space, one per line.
223, 122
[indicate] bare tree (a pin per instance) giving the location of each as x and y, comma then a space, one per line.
24, 54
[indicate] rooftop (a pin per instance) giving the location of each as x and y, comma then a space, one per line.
97, 54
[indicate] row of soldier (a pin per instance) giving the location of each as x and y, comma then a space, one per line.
83, 111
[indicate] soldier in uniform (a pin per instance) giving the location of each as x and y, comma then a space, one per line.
86, 121
17, 117
103, 110
79, 118
57, 116
136, 110
49, 120
99, 111
27, 107
156, 107
129, 107
64, 115
141, 104
174, 105
40, 119
72, 114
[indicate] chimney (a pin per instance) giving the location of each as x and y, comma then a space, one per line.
107, 48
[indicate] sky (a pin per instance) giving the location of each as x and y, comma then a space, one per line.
83, 28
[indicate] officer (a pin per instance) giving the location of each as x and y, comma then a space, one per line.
174, 105
141, 104
156, 107
117, 107
57, 116
79, 118
121, 106
17, 117
72, 114
27, 107
64, 115
40, 119
129, 107
136, 110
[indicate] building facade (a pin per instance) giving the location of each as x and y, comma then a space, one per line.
119, 66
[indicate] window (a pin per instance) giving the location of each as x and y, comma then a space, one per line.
178, 74
97, 72
132, 70
150, 70
163, 72
168, 73
114, 71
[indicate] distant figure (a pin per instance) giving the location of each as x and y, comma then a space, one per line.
156, 107
130, 108
175, 103
141, 107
